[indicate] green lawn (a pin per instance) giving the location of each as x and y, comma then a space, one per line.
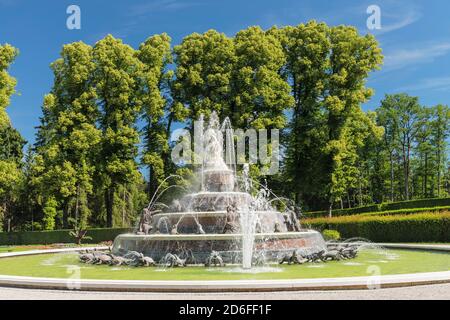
388, 262
4, 249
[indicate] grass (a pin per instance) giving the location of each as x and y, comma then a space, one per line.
388, 261
5, 249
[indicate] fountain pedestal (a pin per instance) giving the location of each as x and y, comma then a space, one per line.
219, 217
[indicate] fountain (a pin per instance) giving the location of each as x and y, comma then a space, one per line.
221, 217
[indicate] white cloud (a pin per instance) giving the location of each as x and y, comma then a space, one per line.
437, 84
423, 53
400, 21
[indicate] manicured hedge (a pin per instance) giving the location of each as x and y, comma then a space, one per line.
57, 236
406, 211
422, 203
423, 227
412, 204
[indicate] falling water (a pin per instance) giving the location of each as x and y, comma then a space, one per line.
249, 218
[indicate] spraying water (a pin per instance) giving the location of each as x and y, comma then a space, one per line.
220, 216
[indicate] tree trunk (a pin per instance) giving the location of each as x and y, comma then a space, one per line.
391, 160
425, 178
124, 207
348, 199
360, 191
406, 171
438, 173
109, 204
330, 208
65, 215
77, 205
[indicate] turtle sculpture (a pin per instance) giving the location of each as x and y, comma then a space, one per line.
104, 259
118, 261
214, 260
315, 257
349, 252
87, 257
131, 258
293, 258
172, 260
146, 261
332, 255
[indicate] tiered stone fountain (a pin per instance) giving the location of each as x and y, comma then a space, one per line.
221, 216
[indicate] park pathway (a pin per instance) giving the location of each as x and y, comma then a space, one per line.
429, 292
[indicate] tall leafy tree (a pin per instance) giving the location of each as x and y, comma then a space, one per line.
260, 94
204, 69
155, 54
116, 77
67, 157
307, 48
352, 58
11, 142
386, 117
328, 68
408, 117
440, 131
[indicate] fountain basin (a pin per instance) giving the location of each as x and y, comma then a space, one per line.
214, 200
197, 247
212, 222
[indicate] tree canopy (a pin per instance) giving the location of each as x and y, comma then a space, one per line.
102, 147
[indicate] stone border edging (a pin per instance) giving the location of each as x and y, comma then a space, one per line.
343, 283
428, 247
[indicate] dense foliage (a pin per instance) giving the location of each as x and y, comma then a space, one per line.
407, 206
102, 147
425, 227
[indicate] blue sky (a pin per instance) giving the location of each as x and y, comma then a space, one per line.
415, 37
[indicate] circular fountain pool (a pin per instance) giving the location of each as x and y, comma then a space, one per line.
386, 261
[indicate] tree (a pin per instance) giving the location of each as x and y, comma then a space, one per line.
260, 94
10, 140
440, 131
327, 68
115, 76
352, 58
306, 47
204, 67
423, 149
407, 117
386, 117
7, 83
155, 54
69, 139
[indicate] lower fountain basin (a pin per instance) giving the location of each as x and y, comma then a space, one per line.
197, 247
213, 222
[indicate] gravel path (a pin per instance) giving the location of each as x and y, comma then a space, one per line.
430, 292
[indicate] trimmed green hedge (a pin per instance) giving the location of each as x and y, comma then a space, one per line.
412, 204
406, 211
424, 227
58, 236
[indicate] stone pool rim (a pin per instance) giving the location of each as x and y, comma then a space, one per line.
341, 283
